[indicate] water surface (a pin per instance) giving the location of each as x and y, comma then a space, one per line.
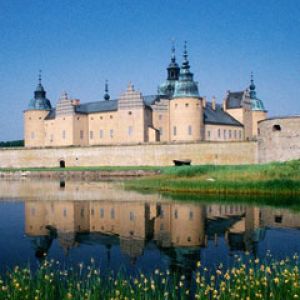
74, 221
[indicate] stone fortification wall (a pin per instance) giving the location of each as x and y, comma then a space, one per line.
279, 139
132, 155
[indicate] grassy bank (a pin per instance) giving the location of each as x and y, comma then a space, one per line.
246, 279
266, 179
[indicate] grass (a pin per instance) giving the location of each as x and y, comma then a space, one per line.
248, 279
266, 179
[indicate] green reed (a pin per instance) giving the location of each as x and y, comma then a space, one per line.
248, 278
267, 179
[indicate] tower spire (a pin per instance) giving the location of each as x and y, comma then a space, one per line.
106, 95
40, 77
173, 58
252, 87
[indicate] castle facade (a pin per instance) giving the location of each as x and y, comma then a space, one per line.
176, 113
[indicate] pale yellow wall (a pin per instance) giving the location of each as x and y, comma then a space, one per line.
34, 131
81, 129
161, 119
223, 133
60, 132
256, 117
186, 113
236, 113
103, 128
133, 155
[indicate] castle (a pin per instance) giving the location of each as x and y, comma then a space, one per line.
177, 113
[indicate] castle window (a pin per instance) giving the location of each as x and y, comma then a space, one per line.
81, 134
92, 211
32, 135
91, 135
240, 134
101, 212
189, 239
29, 118
92, 118
78, 118
224, 134
191, 215
230, 134
51, 138
130, 130
219, 133
160, 131
130, 113
65, 212
111, 133
40, 118
258, 131
208, 134
276, 127
82, 212
33, 211
101, 133
112, 213
131, 216
176, 214
160, 117
174, 130
176, 105
190, 130
235, 134
64, 134
186, 105
111, 116
101, 118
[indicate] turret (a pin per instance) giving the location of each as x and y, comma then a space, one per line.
34, 116
186, 110
166, 90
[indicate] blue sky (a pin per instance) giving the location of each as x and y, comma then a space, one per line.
79, 44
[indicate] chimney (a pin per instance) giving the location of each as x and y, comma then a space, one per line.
203, 101
75, 102
213, 103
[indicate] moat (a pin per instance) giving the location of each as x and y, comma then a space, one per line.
74, 221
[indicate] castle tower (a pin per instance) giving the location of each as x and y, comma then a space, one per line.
34, 115
166, 90
186, 112
257, 107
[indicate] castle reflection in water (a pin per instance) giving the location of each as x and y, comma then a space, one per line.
133, 224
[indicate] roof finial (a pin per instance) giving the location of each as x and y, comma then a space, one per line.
40, 77
106, 95
173, 50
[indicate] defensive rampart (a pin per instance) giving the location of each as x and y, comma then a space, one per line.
132, 155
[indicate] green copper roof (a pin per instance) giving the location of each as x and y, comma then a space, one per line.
256, 103
167, 88
185, 86
39, 102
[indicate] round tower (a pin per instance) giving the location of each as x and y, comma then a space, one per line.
34, 116
186, 112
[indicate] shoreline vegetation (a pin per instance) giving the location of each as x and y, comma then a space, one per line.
247, 278
273, 179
